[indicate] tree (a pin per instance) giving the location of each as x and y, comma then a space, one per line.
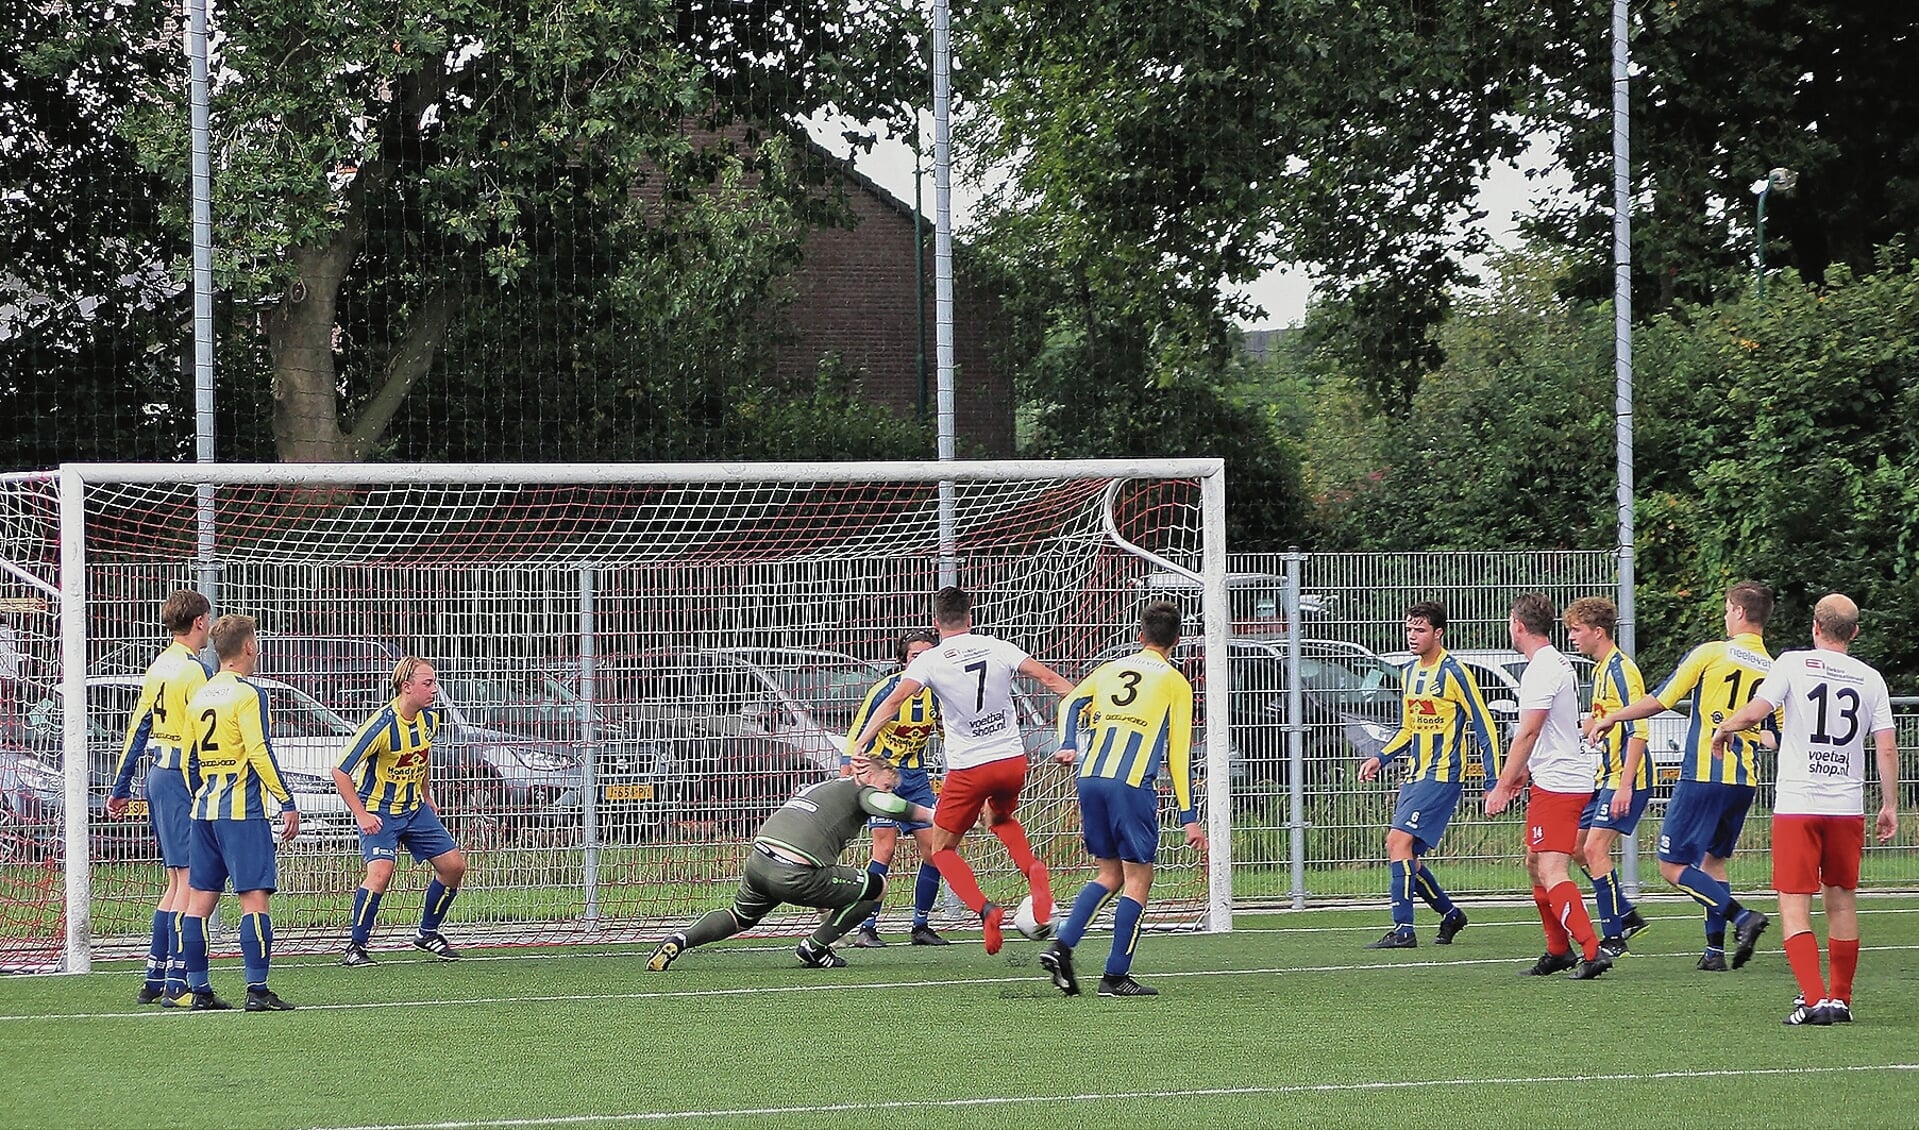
1722, 91
91, 325
404, 156
1159, 151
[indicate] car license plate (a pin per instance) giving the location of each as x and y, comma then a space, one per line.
626, 792
136, 810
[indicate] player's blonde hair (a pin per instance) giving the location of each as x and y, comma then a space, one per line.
1593, 612
230, 633
405, 669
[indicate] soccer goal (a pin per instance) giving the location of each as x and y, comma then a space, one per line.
638, 663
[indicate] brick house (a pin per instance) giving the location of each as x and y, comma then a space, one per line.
853, 295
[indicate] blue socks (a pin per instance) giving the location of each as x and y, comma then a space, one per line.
366, 908
1612, 904
1091, 897
1126, 916
438, 899
159, 950
256, 948
926, 892
193, 946
1430, 890
875, 867
176, 962
1402, 893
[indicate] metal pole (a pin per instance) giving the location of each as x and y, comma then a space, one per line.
1295, 732
1761, 235
943, 275
589, 754
202, 191
1622, 361
1216, 621
919, 287
73, 736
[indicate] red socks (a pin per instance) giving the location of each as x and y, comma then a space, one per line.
960, 877
1020, 850
1557, 940
1844, 953
1570, 908
1802, 952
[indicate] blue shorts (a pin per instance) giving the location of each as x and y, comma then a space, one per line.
1703, 818
1118, 820
1424, 810
1625, 823
170, 814
915, 786
420, 830
237, 850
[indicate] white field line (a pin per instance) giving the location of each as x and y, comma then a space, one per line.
394, 956
832, 986
1136, 1096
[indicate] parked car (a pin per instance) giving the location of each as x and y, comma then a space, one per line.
307, 739
1349, 706
490, 782
1498, 671
1255, 601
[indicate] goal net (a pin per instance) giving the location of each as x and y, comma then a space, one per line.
638, 664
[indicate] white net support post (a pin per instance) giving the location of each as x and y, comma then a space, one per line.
638, 662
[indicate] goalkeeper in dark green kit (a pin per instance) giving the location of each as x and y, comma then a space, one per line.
795, 859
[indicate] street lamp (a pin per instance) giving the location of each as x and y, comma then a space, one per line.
1781, 180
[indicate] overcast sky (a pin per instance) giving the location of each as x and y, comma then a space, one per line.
1282, 292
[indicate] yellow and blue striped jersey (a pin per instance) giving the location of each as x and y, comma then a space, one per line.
1616, 683
230, 765
1441, 703
161, 714
1718, 678
902, 741
389, 757
1128, 718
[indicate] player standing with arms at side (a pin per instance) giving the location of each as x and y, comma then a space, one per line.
1547, 750
384, 778
972, 677
1709, 802
1119, 726
1439, 702
161, 715
1831, 702
794, 860
231, 768
1624, 782
902, 744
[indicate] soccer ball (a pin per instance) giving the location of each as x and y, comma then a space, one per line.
1028, 926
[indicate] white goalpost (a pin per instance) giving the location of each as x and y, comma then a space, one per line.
638, 662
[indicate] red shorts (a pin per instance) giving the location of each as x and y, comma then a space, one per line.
1811, 851
1552, 820
966, 791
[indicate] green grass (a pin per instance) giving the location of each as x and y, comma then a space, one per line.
1285, 1022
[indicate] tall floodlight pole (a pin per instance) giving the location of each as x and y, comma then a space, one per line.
943, 275
202, 190
1622, 357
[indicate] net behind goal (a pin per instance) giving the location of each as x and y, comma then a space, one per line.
638, 664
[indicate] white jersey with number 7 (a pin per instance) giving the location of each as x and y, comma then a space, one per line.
972, 676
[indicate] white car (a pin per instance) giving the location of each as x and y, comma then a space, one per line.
308, 740
1498, 671
801, 699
